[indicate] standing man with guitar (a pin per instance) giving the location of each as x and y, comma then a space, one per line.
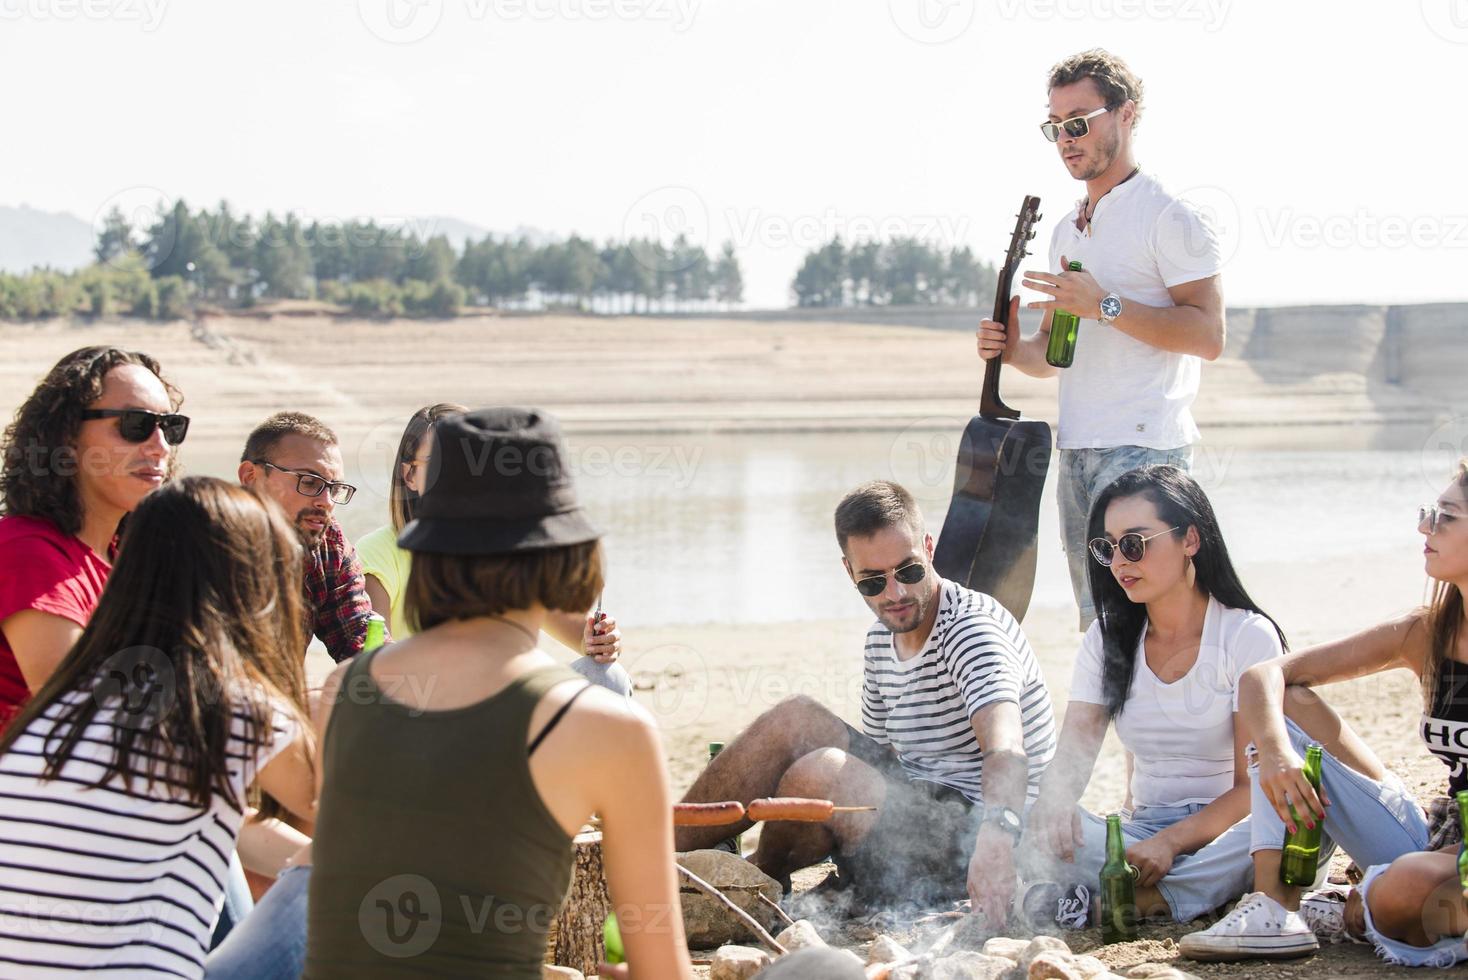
1149, 296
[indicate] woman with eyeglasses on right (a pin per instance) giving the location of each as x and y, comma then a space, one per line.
98, 434
1409, 905
1175, 630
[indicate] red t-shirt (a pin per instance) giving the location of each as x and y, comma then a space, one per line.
43, 569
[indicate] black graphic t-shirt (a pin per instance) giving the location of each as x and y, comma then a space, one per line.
1445, 730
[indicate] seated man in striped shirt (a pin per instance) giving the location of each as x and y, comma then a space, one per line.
956, 732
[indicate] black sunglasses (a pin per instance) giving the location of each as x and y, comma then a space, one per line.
1132, 546
909, 574
137, 425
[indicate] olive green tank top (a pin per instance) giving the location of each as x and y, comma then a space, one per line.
434, 854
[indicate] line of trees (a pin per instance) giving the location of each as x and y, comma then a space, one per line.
219, 257
902, 271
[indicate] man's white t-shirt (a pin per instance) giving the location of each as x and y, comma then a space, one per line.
1122, 392
1182, 734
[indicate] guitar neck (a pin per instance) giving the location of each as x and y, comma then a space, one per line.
991, 406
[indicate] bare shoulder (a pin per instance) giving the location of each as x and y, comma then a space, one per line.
614, 722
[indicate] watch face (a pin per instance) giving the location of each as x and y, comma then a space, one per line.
1110, 307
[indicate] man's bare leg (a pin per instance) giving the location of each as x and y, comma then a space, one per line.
826, 774
753, 764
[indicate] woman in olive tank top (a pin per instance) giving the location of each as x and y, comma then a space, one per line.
1410, 904
457, 764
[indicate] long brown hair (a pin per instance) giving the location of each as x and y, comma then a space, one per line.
38, 477
1444, 619
201, 623
402, 501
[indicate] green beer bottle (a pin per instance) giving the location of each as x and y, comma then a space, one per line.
1118, 888
1301, 858
1061, 351
1463, 848
376, 633
714, 749
611, 940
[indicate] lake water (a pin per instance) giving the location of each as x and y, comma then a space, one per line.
738, 528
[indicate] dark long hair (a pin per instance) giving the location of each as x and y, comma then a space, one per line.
402, 501
1182, 504
38, 477
201, 621
1444, 618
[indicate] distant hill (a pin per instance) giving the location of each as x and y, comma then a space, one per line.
31, 238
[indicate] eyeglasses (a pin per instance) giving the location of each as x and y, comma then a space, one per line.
137, 425
1075, 127
1132, 546
909, 574
1431, 517
311, 485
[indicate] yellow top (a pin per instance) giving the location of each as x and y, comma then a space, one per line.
384, 560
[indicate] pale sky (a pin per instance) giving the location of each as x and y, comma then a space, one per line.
1324, 136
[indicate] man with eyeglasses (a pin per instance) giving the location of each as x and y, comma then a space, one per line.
956, 731
295, 460
1148, 292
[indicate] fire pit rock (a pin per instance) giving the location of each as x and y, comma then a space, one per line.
709, 923
737, 962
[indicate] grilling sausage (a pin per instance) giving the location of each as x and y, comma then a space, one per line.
707, 814
791, 808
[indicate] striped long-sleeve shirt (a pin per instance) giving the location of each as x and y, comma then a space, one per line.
975, 656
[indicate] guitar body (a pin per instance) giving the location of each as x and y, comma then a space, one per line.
989, 538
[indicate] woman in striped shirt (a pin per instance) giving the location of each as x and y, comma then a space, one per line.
123, 782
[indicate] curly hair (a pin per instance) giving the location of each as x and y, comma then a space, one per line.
38, 476
1113, 78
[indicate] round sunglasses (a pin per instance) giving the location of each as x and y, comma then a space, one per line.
1075, 127
1131, 545
909, 574
137, 425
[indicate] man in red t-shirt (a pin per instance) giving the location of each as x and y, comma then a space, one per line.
94, 438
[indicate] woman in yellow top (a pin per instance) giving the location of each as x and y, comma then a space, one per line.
386, 565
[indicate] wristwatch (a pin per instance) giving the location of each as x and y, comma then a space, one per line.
1006, 820
1110, 307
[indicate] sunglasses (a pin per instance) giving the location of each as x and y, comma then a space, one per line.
1075, 127
1431, 518
311, 485
137, 425
1132, 547
909, 574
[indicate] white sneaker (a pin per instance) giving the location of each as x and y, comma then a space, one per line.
1257, 928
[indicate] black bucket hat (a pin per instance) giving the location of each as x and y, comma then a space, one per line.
498, 482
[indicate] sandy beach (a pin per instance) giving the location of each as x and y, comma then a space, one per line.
656, 375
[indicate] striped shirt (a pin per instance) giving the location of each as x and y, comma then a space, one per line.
107, 881
975, 656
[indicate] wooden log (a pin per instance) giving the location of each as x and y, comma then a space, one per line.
575, 936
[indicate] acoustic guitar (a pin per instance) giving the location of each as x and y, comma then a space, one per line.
988, 542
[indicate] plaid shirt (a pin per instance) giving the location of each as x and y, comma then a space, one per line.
336, 594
